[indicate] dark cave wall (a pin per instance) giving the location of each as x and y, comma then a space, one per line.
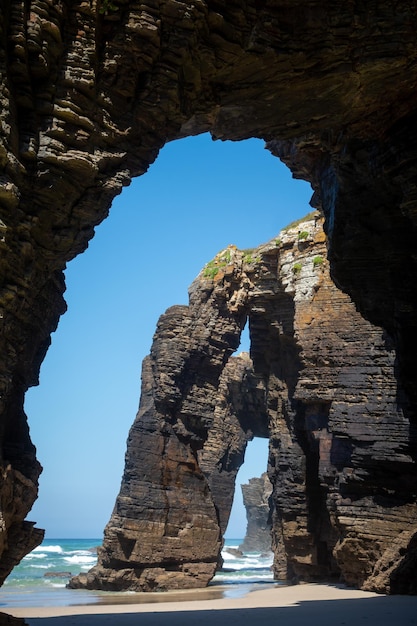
88, 97
367, 192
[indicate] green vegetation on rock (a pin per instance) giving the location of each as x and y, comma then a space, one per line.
248, 256
318, 260
220, 260
210, 270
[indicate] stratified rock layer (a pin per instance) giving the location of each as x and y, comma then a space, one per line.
256, 499
184, 449
91, 90
320, 384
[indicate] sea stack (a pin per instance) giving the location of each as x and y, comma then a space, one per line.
319, 383
258, 504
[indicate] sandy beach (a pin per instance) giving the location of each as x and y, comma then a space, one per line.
300, 605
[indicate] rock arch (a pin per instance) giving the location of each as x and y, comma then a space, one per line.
91, 91
314, 387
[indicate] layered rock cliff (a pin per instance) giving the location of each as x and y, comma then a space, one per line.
320, 384
91, 90
185, 447
257, 501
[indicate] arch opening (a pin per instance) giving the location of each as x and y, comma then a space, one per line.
99, 336
254, 465
308, 554
247, 550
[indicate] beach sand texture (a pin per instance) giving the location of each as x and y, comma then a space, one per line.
300, 605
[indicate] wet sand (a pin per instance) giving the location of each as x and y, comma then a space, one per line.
300, 605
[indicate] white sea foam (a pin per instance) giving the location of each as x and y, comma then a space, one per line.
38, 555
244, 577
44, 548
80, 559
244, 568
247, 561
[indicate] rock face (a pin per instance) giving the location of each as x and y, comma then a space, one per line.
320, 384
257, 502
91, 90
184, 449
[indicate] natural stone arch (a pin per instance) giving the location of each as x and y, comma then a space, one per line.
313, 388
90, 94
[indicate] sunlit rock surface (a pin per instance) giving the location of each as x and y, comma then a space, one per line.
257, 502
89, 93
320, 384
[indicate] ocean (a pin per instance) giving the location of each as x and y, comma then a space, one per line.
40, 578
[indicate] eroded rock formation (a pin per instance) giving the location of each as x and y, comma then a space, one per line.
190, 434
90, 90
257, 501
320, 384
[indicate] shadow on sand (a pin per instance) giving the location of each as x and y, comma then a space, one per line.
378, 611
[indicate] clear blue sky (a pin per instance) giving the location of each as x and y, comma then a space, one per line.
198, 197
